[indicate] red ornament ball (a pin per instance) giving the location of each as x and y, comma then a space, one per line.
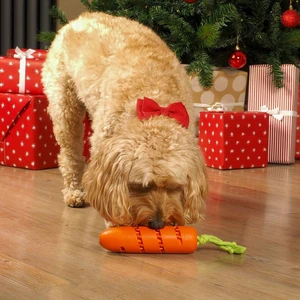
237, 59
290, 18
189, 1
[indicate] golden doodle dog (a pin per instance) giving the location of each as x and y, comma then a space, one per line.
145, 166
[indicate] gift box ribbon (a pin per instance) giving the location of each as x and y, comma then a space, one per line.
218, 106
22, 56
277, 113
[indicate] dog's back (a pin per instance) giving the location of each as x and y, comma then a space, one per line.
110, 57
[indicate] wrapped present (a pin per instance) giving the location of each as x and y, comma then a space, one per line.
229, 88
298, 128
26, 136
21, 73
281, 104
234, 140
38, 53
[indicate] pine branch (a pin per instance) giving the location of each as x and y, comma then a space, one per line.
57, 14
46, 37
222, 14
209, 34
203, 67
226, 43
290, 39
275, 24
178, 33
276, 72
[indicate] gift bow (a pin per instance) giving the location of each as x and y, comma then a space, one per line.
22, 56
275, 113
218, 106
147, 108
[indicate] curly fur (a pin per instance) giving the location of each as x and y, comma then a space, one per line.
147, 172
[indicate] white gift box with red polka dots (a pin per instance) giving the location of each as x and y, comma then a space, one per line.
26, 133
234, 140
14, 80
281, 104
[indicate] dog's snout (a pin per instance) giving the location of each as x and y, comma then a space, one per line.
156, 224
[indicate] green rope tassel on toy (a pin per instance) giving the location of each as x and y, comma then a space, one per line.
230, 247
171, 239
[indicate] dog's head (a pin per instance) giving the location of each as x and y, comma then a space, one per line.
151, 173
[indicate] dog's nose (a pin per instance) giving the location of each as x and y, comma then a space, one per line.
156, 224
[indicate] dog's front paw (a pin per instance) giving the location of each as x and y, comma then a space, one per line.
74, 198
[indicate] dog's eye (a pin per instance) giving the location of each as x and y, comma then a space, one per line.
140, 188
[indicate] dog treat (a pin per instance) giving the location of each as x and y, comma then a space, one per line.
171, 239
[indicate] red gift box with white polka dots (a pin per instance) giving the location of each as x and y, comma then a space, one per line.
234, 140
39, 53
10, 75
26, 132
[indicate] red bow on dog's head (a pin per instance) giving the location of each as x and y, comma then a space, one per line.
147, 108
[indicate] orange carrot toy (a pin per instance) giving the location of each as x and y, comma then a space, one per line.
177, 239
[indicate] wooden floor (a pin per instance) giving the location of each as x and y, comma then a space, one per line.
50, 251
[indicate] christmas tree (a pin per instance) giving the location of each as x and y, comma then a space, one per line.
205, 33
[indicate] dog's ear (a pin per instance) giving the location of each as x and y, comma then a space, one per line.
106, 181
196, 190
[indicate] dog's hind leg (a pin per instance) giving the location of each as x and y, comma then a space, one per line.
67, 114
